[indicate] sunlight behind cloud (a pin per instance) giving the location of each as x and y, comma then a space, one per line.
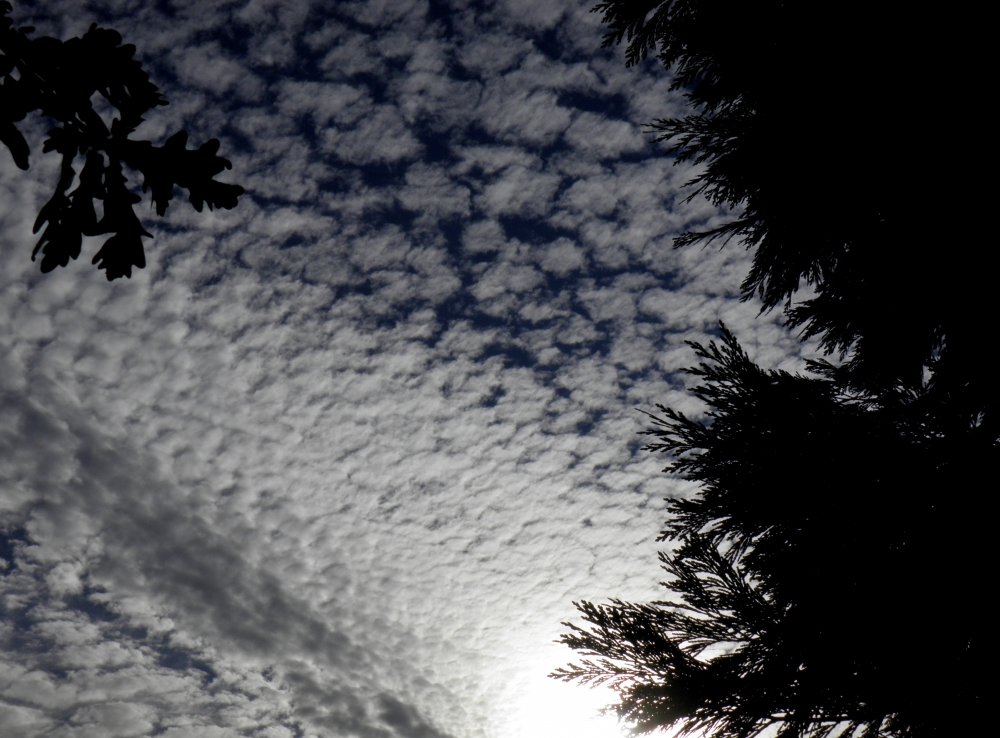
547, 708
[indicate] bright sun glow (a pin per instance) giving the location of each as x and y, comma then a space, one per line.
550, 709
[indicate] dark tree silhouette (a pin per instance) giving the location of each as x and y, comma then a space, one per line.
59, 80
828, 573
814, 120
829, 576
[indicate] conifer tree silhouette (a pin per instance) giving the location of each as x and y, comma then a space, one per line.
828, 577
59, 79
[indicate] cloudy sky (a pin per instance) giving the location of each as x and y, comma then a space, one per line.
338, 461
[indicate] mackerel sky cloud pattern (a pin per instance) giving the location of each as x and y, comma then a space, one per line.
337, 462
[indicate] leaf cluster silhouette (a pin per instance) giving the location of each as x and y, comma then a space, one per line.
59, 79
829, 576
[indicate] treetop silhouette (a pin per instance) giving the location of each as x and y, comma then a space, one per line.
814, 121
59, 79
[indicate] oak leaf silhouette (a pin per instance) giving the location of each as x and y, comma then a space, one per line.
58, 79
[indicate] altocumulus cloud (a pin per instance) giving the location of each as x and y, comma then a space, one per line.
337, 461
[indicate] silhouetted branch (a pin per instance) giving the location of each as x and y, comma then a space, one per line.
59, 79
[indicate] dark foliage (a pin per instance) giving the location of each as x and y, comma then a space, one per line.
836, 129
59, 80
830, 562
829, 576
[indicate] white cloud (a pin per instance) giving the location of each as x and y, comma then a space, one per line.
561, 257
604, 138
206, 67
519, 190
379, 137
518, 115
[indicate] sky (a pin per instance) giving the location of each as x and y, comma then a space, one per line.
339, 461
